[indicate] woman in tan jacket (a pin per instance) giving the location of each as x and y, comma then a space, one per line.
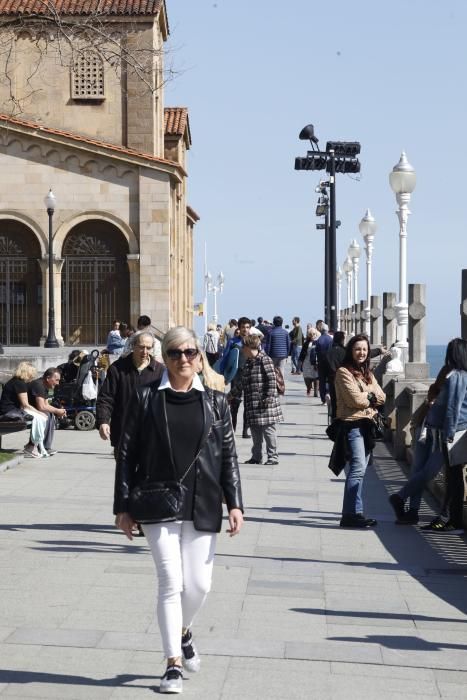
357, 394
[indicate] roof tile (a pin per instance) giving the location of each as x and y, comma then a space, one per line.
80, 7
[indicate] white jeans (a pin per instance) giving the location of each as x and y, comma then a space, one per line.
184, 558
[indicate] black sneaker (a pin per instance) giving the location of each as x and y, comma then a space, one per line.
252, 461
357, 521
172, 680
271, 462
190, 657
397, 504
410, 517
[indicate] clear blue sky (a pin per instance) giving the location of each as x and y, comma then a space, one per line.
390, 75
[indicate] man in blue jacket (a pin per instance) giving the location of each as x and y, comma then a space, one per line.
278, 343
323, 344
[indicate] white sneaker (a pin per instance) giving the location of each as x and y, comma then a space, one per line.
172, 680
190, 657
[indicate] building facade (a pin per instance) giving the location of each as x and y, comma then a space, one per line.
115, 158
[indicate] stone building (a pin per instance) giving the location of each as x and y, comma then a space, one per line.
115, 159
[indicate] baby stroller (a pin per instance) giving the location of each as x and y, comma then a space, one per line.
75, 395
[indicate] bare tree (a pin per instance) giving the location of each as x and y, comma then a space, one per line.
124, 43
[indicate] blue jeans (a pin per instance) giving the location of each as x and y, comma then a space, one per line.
355, 470
294, 355
426, 465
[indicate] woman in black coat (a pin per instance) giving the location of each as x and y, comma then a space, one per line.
176, 429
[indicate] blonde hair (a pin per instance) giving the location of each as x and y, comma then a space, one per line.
25, 371
212, 327
210, 378
252, 341
313, 333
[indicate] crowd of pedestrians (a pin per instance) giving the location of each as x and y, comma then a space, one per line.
170, 411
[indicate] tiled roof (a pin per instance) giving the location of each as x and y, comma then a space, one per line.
176, 122
80, 7
84, 139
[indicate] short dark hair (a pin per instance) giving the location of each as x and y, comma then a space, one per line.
143, 321
456, 354
260, 319
278, 320
50, 372
296, 319
243, 320
339, 338
253, 322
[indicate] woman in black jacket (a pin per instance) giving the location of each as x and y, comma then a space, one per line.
178, 429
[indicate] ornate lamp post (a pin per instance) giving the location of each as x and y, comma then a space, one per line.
339, 275
347, 268
354, 255
402, 180
215, 288
51, 341
368, 228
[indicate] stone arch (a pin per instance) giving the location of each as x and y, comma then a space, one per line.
90, 215
29, 223
95, 281
20, 282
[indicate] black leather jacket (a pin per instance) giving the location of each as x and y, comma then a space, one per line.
145, 434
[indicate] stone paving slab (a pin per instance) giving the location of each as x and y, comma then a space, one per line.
378, 614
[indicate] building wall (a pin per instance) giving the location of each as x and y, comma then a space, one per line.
131, 113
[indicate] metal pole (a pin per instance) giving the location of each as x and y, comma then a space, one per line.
332, 242
51, 341
214, 316
327, 277
403, 200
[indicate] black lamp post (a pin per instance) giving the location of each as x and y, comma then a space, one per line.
51, 342
339, 157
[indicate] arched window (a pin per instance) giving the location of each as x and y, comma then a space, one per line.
87, 78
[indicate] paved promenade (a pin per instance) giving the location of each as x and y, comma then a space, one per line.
299, 608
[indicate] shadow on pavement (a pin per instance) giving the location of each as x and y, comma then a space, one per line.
17, 676
372, 615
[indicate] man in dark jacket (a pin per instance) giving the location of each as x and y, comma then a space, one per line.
323, 344
136, 369
278, 343
332, 361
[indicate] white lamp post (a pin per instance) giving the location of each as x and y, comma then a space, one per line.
368, 228
215, 288
347, 267
354, 255
339, 276
402, 180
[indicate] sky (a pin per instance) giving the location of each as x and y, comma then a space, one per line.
390, 75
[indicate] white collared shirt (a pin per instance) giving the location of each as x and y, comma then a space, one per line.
165, 383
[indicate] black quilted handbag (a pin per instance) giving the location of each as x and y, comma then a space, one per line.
157, 501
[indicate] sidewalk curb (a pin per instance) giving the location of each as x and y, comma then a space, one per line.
9, 464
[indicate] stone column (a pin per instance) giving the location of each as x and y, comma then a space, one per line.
464, 305
389, 319
57, 272
417, 367
375, 320
133, 267
361, 315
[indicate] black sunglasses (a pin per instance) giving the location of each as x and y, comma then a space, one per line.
190, 354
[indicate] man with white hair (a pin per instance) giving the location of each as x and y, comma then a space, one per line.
323, 344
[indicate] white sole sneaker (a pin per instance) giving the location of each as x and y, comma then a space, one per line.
172, 680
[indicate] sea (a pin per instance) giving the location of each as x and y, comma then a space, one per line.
435, 358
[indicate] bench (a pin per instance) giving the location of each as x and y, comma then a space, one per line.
11, 426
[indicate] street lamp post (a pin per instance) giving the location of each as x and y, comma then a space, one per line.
339, 157
347, 268
51, 341
339, 276
368, 228
354, 255
402, 180
215, 288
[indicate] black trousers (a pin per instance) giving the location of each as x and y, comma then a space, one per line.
454, 499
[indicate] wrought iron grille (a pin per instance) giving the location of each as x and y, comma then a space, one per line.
13, 301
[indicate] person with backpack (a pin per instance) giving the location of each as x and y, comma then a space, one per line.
211, 344
308, 362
